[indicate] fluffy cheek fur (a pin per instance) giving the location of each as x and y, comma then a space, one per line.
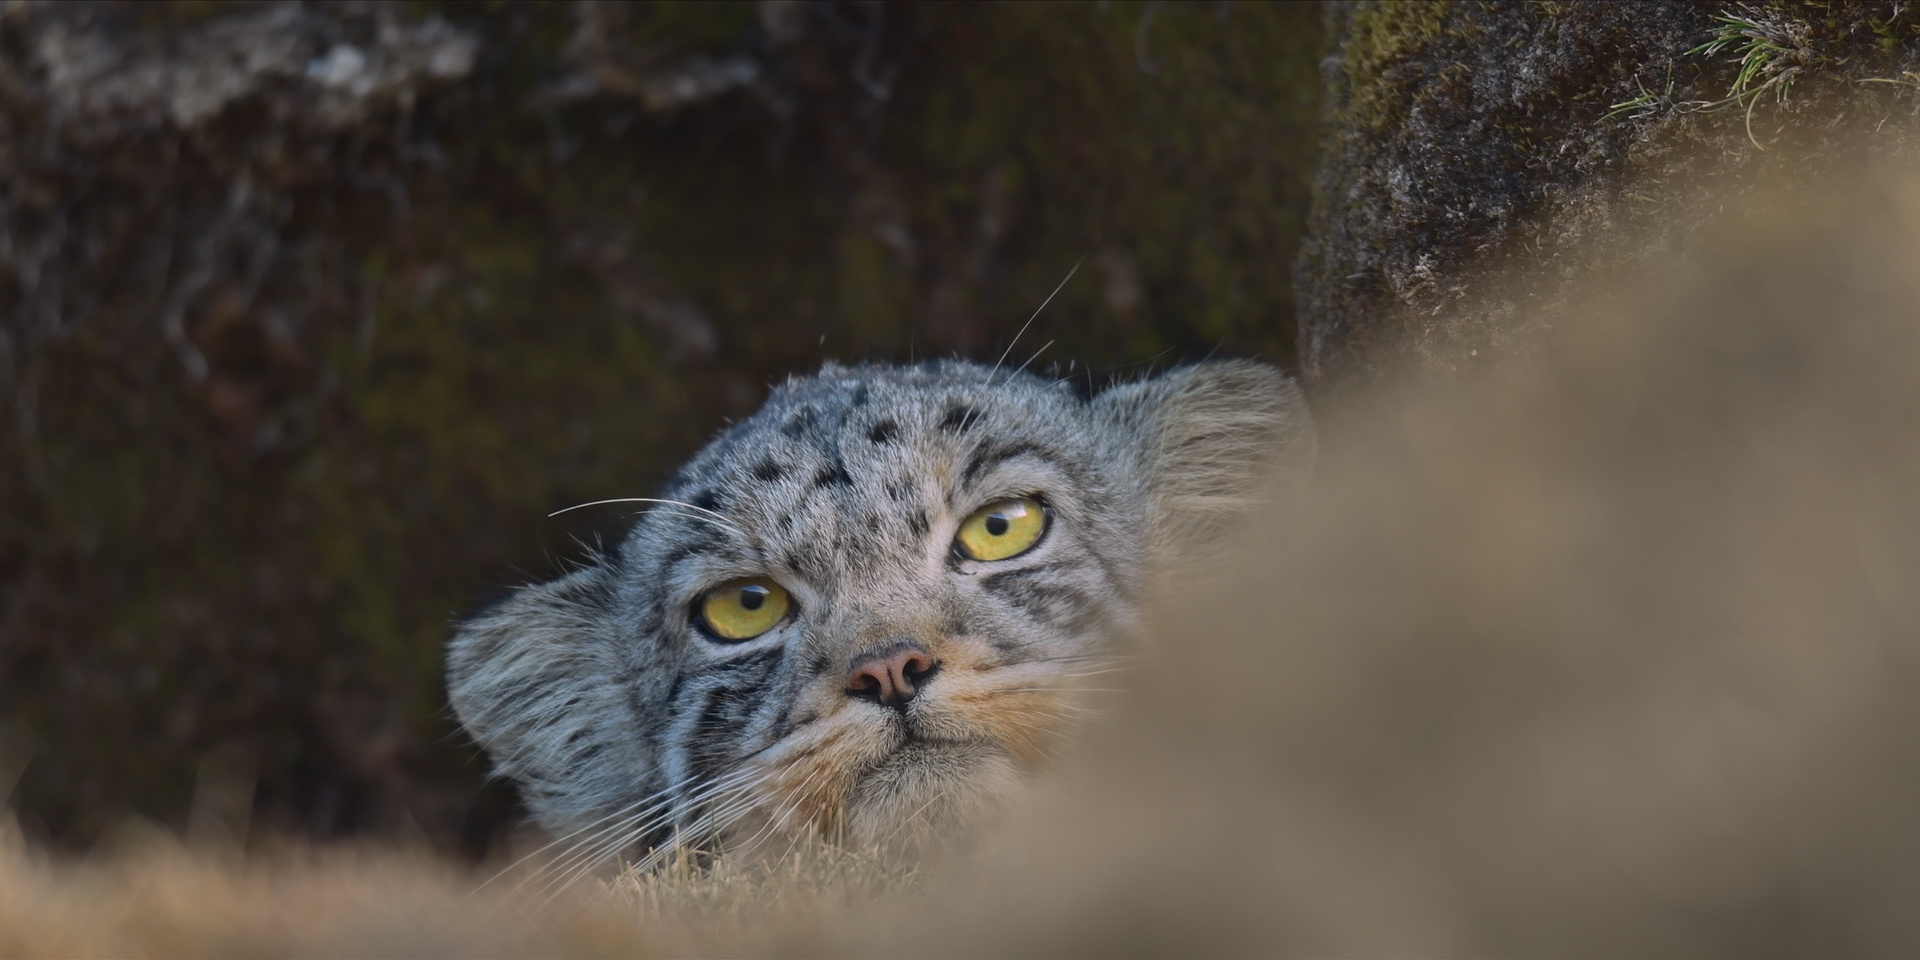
877, 776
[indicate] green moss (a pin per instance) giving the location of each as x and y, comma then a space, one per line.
1381, 37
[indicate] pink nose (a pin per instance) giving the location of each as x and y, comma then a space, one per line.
891, 675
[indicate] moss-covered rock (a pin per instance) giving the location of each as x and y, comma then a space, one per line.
1473, 147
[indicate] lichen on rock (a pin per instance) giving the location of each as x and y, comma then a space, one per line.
299, 61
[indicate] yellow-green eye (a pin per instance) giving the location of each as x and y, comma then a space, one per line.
743, 609
1001, 530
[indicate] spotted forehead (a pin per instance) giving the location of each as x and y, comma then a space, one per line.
856, 446
837, 420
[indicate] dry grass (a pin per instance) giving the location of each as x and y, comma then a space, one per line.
150, 895
166, 901
1616, 651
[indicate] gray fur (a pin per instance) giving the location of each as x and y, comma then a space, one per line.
626, 725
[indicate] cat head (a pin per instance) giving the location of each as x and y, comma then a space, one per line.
866, 609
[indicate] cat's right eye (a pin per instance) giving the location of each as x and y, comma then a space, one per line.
743, 609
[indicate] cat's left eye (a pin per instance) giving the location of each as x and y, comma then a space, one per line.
743, 609
1003, 530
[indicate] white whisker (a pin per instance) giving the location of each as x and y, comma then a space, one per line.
774, 824
589, 848
1057, 688
571, 837
1036, 315
792, 805
735, 800
1036, 356
716, 518
1062, 285
590, 853
907, 821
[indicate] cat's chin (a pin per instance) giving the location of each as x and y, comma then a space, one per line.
928, 791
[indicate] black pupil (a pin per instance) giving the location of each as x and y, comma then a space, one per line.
997, 524
753, 597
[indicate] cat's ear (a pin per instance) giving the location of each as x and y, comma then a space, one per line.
1209, 437
531, 679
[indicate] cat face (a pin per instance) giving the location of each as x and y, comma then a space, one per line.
869, 609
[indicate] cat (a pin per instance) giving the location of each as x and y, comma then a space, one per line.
867, 611
1607, 649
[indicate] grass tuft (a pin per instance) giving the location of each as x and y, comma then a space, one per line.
1769, 55
812, 877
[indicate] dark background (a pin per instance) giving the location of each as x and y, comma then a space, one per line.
311, 313
309, 316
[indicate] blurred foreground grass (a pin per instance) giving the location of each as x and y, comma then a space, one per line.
147, 894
